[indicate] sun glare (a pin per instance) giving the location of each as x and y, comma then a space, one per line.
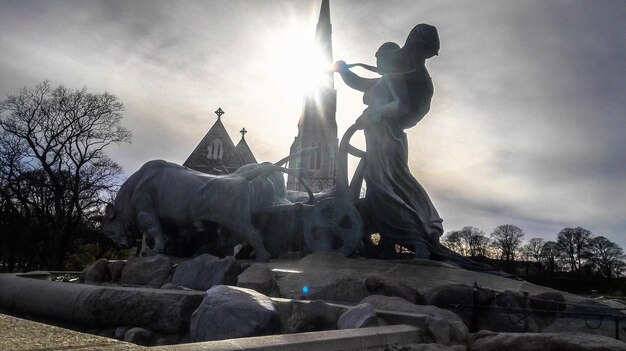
300, 63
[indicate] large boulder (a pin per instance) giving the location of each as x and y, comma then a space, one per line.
488, 341
359, 316
258, 277
151, 271
311, 316
137, 335
206, 271
442, 326
232, 312
97, 272
445, 296
115, 269
165, 311
378, 285
506, 315
342, 285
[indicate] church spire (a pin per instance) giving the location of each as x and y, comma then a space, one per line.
317, 126
323, 39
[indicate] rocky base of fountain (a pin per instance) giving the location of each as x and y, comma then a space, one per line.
161, 300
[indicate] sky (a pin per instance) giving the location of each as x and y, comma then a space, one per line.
527, 125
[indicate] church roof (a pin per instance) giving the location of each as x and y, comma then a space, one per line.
217, 154
244, 152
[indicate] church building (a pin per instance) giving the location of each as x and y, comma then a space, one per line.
317, 126
217, 154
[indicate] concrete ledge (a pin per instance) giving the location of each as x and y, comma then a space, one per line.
161, 310
370, 339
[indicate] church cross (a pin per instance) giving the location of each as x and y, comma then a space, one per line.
219, 113
243, 132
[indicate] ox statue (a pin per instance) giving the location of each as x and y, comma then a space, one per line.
162, 193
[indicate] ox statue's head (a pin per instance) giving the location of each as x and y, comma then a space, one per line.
115, 228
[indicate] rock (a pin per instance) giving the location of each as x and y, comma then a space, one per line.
311, 316
151, 271
120, 332
139, 336
115, 269
509, 299
507, 315
402, 290
97, 272
232, 312
165, 311
359, 316
483, 297
445, 296
342, 285
374, 282
443, 326
259, 277
488, 341
170, 286
423, 347
550, 301
162, 340
206, 271
108, 333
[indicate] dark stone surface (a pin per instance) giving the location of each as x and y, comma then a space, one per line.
489, 341
483, 297
551, 301
153, 271
259, 278
139, 336
441, 325
312, 316
160, 310
97, 272
360, 316
206, 271
341, 285
402, 290
445, 296
231, 312
115, 269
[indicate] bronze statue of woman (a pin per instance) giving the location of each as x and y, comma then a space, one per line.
396, 205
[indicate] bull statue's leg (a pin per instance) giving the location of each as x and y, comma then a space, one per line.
253, 238
150, 225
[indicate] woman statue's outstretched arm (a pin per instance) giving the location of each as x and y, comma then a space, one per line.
352, 79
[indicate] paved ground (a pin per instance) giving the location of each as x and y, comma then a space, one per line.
18, 334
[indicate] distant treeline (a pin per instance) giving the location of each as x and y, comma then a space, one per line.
575, 253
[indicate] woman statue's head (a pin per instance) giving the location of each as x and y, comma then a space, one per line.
384, 54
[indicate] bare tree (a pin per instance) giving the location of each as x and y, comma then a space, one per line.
59, 134
550, 256
606, 255
507, 239
573, 245
533, 248
469, 241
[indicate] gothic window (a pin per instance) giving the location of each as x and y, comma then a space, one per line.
316, 157
215, 151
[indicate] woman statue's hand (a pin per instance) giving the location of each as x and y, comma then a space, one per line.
340, 66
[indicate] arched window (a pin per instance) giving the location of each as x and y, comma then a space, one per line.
215, 150
315, 160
